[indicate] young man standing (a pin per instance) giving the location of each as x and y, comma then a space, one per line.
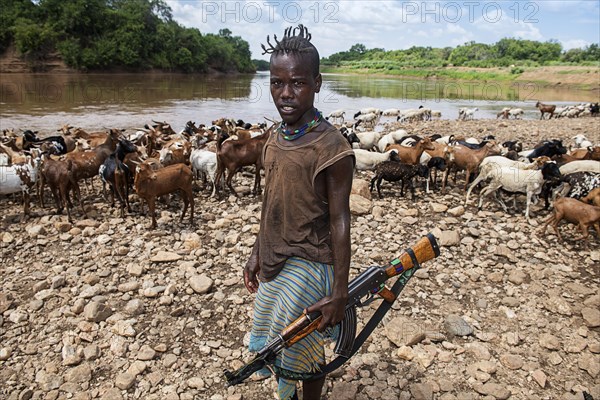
302, 254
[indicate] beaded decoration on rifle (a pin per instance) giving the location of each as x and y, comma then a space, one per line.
303, 130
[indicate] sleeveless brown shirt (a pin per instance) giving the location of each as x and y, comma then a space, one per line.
295, 219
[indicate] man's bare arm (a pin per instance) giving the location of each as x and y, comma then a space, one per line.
338, 179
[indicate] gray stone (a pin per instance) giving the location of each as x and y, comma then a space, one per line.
456, 211
125, 380
517, 276
201, 284
58, 282
5, 353
456, 326
590, 363
123, 328
511, 361
96, 312
48, 381
79, 374
549, 341
169, 360
499, 392
360, 187
401, 330
146, 353
449, 238
91, 352
134, 307
18, 316
591, 317
128, 286
36, 230
421, 391
344, 390
135, 269
5, 302
165, 256
438, 208
540, 377
359, 205
196, 383
112, 394
70, 356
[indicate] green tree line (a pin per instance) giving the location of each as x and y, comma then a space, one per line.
504, 53
125, 34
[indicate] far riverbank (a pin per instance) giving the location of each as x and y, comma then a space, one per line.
575, 77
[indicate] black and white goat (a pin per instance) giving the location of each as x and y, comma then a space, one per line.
116, 173
394, 171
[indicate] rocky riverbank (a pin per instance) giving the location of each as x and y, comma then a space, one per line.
103, 308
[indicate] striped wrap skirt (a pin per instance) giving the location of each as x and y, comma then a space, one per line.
300, 284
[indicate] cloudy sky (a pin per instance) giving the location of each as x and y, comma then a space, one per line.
338, 24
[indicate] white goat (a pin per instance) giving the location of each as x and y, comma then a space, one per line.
445, 139
205, 162
369, 110
436, 114
580, 166
20, 178
581, 142
368, 140
370, 119
390, 138
516, 113
368, 160
491, 164
518, 180
467, 113
335, 115
391, 112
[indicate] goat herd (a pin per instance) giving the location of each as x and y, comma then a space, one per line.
165, 161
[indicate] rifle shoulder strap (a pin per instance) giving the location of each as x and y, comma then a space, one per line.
383, 308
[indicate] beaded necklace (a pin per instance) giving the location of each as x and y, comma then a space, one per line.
303, 130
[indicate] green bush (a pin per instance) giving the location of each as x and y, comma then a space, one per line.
104, 34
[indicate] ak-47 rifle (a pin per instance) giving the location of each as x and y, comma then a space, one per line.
361, 291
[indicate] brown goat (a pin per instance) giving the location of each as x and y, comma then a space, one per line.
412, 155
60, 178
576, 212
176, 151
592, 197
439, 150
15, 157
591, 153
464, 158
545, 108
150, 184
95, 139
227, 125
87, 164
232, 155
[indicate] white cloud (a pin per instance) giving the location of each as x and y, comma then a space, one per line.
574, 43
337, 25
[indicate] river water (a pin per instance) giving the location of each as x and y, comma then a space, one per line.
45, 102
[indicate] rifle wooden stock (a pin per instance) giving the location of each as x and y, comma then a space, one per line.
425, 249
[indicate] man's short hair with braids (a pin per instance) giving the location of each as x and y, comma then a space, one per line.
295, 41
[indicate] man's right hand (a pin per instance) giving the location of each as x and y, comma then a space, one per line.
251, 271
